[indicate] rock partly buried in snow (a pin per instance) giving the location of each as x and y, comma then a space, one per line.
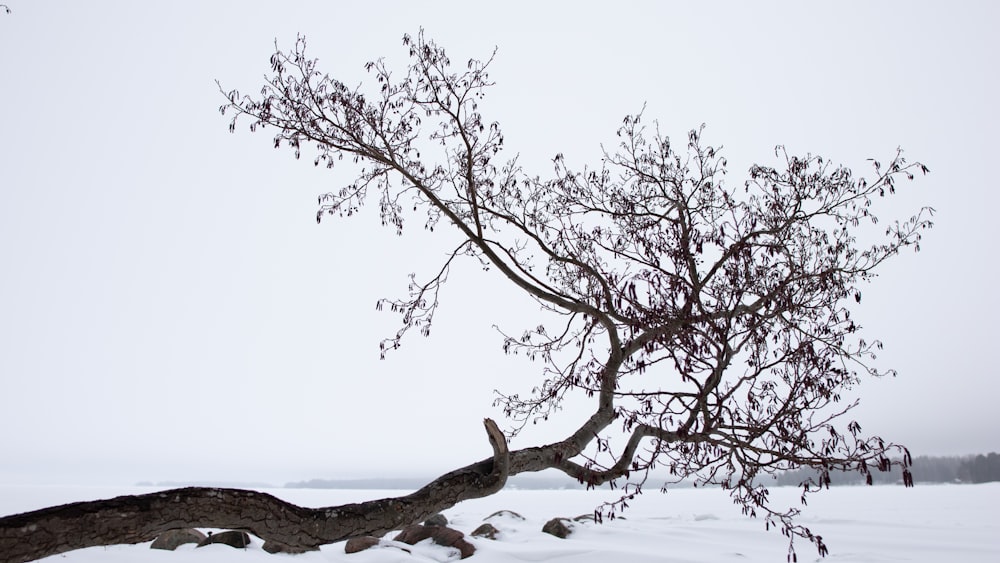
172, 539
558, 527
440, 535
360, 543
414, 533
272, 546
486, 530
505, 514
231, 538
436, 520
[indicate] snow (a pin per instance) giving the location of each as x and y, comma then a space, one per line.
859, 524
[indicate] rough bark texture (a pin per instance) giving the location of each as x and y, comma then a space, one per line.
140, 518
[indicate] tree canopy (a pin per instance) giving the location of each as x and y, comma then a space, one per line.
709, 323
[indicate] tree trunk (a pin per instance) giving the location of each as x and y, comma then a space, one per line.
140, 518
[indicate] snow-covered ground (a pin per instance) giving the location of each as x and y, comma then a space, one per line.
929, 523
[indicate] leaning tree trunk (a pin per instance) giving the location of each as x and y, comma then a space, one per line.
135, 519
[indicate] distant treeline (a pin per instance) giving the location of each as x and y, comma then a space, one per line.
528, 482
965, 469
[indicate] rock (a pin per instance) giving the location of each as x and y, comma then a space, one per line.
441, 535
272, 546
505, 514
486, 530
436, 520
414, 533
360, 543
464, 547
231, 538
171, 539
451, 537
557, 527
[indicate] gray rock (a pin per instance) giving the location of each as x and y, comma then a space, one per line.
172, 539
231, 538
486, 530
558, 527
436, 520
505, 514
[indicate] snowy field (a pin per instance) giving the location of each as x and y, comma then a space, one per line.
930, 523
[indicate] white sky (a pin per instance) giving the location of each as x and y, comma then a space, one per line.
169, 310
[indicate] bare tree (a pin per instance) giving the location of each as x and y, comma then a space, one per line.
709, 324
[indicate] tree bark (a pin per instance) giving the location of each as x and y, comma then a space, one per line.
134, 519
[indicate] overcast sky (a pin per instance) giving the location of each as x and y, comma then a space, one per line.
169, 310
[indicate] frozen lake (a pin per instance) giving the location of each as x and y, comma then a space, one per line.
929, 523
